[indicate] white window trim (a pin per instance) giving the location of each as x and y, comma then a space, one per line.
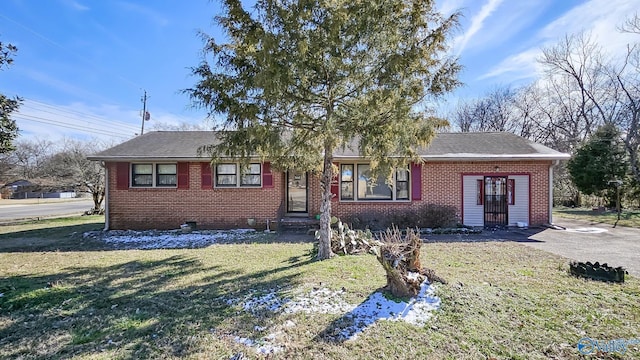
154, 176
355, 185
238, 177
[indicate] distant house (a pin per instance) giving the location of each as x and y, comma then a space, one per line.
25, 189
158, 180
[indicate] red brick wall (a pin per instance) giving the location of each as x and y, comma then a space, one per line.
157, 208
442, 184
151, 208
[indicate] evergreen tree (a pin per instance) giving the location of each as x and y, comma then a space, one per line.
598, 161
299, 79
8, 127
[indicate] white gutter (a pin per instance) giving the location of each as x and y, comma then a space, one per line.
476, 157
553, 164
106, 198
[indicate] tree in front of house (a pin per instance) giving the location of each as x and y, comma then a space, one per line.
299, 79
8, 127
600, 160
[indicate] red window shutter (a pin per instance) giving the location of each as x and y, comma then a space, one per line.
205, 176
416, 181
183, 175
480, 192
267, 175
335, 186
511, 191
122, 175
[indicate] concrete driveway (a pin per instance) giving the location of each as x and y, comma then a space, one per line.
584, 241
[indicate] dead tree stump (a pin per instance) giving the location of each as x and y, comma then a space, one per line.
400, 257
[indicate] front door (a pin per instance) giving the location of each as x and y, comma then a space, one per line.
495, 201
297, 192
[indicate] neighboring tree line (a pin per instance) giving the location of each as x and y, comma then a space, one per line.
586, 103
61, 165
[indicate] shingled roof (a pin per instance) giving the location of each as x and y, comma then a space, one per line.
183, 145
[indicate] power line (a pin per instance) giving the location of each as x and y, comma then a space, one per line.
76, 113
76, 128
71, 126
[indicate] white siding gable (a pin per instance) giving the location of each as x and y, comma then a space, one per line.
519, 211
472, 213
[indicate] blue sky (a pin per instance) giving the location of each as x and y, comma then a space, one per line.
82, 65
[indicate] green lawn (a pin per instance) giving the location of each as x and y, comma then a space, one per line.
64, 297
630, 218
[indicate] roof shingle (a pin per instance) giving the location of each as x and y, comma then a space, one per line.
183, 145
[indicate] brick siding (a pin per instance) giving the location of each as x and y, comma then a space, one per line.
216, 208
158, 208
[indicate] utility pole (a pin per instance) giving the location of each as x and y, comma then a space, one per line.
145, 115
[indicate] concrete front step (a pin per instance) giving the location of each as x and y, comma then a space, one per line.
298, 224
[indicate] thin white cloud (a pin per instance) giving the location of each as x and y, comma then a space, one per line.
147, 12
59, 85
477, 23
521, 65
590, 17
75, 5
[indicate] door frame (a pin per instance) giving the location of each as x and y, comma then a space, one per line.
306, 190
496, 203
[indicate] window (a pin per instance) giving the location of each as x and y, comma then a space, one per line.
511, 192
251, 175
357, 182
402, 184
479, 192
166, 175
371, 187
142, 175
150, 175
227, 175
346, 181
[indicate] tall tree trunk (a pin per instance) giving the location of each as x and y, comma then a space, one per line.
324, 242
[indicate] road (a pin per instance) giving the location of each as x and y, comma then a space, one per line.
31, 209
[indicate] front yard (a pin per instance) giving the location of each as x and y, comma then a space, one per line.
630, 218
64, 296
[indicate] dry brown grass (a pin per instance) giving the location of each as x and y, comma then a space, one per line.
503, 300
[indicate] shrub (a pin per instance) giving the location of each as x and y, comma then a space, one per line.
437, 216
404, 219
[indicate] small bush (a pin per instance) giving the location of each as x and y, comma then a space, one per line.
404, 219
427, 216
437, 216
367, 220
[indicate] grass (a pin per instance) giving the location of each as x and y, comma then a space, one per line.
503, 300
629, 218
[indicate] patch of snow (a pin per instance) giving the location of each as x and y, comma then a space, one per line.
323, 301
417, 312
413, 275
171, 239
356, 319
261, 347
588, 230
266, 302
